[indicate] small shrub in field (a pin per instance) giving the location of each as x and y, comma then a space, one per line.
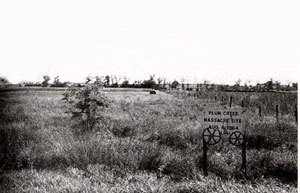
123, 129
271, 135
178, 167
260, 141
86, 104
173, 138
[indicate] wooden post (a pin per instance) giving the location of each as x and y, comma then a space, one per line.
204, 159
296, 113
215, 98
230, 102
259, 111
244, 158
277, 112
242, 103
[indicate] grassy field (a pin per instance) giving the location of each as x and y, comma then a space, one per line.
145, 143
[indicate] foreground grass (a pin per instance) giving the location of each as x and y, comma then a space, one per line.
100, 179
145, 144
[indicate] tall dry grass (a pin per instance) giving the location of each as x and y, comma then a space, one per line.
145, 144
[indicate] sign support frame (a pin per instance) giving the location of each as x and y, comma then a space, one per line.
204, 158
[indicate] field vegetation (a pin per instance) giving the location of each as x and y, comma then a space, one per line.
141, 143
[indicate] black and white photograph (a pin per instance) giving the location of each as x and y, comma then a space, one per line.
149, 96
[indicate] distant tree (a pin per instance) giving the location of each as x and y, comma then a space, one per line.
269, 85
182, 81
159, 82
115, 81
150, 83
107, 80
212, 86
164, 83
174, 84
4, 81
125, 84
45, 83
56, 81
206, 84
277, 85
288, 87
98, 81
112, 81
237, 84
88, 79
137, 84
295, 86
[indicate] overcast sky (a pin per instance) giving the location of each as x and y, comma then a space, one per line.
220, 41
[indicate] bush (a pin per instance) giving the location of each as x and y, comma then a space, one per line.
271, 135
178, 167
86, 104
123, 129
173, 138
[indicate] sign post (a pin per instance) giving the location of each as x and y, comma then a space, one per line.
237, 138
244, 159
227, 121
204, 158
211, 136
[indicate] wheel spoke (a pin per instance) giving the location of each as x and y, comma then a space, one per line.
235, 141
214, 140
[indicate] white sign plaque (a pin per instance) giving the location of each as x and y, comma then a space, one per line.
226, 120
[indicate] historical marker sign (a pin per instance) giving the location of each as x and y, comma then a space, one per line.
226, 120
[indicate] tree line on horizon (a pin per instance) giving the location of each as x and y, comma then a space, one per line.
159, 83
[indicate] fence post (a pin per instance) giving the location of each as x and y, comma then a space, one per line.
242, 103
259, 111
230, 102
277, 112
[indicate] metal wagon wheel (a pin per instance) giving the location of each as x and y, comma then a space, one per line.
211, 136
236, 138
